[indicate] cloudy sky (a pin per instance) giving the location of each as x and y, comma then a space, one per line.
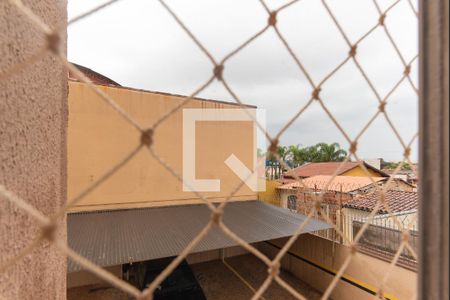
138, 44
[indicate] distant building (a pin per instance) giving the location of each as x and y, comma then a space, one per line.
376, 163
406, 175
301, 196
385, 228
332, 168
339, 191
141, 212
398, 201
99, 138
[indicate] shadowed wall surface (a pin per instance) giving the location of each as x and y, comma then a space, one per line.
312, 258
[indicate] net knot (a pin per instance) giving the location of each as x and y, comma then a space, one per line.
274, 269
382, 19
147, 137
316, 93
145, 296
317, 205
49, 231
407, 152
216, 216
272, 18
53, 42
407, 70
382, 107
353, 49
353, 249
405, 236
273, 146
218, 72
353, 147
382, 198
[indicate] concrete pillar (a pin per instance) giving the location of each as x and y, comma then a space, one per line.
33, 120
434, 154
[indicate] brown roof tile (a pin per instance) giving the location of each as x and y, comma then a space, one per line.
398, 201
343, 184
313, 169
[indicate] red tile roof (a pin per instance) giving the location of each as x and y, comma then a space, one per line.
343, 184
398, 201
326, 168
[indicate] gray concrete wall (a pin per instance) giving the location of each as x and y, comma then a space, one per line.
33, 118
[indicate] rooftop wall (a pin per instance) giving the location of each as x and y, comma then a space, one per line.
99, 138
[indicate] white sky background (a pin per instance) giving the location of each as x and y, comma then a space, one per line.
138, 44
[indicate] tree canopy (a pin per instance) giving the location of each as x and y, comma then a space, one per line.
295, 155
394, 165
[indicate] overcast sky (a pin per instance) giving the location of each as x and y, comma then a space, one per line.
138, 44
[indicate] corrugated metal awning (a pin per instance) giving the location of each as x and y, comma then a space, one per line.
116, 237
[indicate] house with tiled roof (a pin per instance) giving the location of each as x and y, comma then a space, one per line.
333, 168
402, 213
398, 201
407, 175
344, 184
336, 190
383, 233
335, 193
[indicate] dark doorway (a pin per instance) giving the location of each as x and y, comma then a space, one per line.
180, 284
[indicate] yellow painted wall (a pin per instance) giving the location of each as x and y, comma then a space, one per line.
358, 171
271, 195
98, 138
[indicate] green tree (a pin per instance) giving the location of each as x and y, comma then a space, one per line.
320, 152
311, 154
394, 165
297, 155
329, 152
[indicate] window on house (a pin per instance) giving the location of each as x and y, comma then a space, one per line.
292, 202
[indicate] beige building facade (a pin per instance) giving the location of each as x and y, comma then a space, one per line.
99, 138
